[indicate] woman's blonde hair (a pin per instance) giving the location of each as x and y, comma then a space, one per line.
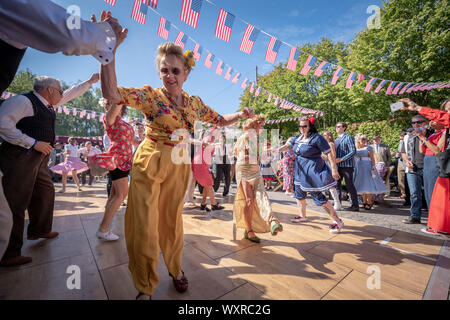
328, 136
170, 48
360, 137
251, 123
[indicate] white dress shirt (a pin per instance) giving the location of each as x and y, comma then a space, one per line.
72, 150
43, 25
18, 107
89, 153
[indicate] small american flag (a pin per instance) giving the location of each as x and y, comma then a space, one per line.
224, 25
269, 98
244, 84
209, 60
139, 12
163, 28
197, 52
249, 38
190, 10
380, 86
350, 80
405, 88
321, 68
370, 84
236, 77
74, 111
252, 88
60, 109
272, 49
308, 65
111, 2
181, 39
258, 91
391, 87
219, 69
229, 73
337, 75
151, 3
398, 87
292, 60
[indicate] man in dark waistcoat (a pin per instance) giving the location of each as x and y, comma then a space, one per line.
27, 124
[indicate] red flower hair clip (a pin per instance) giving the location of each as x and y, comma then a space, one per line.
311, 120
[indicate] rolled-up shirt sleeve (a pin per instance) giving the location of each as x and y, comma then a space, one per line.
48, 27
74, 92
11, 112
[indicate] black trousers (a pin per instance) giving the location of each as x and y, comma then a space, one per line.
223, 170
347, 174
28, 186
9, 63
83, 177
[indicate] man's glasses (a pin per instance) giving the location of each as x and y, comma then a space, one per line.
59, 90
417, 122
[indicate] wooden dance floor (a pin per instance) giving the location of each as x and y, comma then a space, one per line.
305, 261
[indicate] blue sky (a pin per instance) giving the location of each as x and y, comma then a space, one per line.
294, 22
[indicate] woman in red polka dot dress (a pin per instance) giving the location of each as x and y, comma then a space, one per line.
118, 160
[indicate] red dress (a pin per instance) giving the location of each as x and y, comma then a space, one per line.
120, 153
202, 163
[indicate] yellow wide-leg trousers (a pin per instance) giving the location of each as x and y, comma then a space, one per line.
153, 219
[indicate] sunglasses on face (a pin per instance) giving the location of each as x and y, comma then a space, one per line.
59, 90
175, 71
338, 126
303, 127
417, 122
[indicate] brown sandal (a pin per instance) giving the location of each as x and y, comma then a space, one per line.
182, 284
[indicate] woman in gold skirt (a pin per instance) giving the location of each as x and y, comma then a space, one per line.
252, 209
153, 219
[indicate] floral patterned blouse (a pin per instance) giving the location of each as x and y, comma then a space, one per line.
120, 153
162, 116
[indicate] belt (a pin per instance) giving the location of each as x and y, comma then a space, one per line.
364, 158
156, 140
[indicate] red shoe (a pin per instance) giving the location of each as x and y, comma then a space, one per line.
182, 284
49, 235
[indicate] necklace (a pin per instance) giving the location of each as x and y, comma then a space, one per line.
173, 102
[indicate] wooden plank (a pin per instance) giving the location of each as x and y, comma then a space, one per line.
354, 287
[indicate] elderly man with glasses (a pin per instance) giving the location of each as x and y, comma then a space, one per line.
27, 126
414, 161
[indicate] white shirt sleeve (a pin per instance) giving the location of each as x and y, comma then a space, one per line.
106, 141
46, 26
11, 112
74, 92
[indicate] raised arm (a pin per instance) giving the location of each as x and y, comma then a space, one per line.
231, 118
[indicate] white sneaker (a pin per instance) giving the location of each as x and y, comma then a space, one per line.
108, 236
336, 226
337, 206
299, 219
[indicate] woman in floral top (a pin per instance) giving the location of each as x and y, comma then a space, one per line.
153, 219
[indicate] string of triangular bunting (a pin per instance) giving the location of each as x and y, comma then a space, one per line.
81, 113
190, 14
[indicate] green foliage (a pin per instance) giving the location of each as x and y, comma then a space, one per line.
412, 45
23, 82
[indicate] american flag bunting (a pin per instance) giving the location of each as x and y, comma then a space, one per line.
190, 11
163, 28
308, 65
272, 50
224, 25
293, 58
181, 39
139, 12
249, 38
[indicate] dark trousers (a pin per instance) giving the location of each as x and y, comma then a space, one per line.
347, 174
223, 170
11, 57
28, 186
83, 177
